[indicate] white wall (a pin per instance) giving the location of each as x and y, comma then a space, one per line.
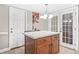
4, 27
43, 24
78, 27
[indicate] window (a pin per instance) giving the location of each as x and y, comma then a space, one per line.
67, 28
54, 24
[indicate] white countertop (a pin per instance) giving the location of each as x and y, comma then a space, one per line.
39, 34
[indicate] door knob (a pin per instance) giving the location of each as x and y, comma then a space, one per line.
11, 28
11, 31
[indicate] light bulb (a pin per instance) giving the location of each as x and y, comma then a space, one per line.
50, 16
42, 17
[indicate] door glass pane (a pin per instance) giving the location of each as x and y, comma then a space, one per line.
54, 24
67, 28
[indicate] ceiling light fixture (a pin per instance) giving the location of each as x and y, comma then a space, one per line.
46, 15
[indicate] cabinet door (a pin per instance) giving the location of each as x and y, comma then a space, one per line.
29, 45
29, 49
43, 50
43, 45
55, 45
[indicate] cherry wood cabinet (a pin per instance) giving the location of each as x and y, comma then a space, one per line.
44, 45
43, 49
55, 44
29, 46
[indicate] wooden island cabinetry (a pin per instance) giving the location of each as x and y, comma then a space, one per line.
43, 45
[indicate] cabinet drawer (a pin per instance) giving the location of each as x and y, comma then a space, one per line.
43, 41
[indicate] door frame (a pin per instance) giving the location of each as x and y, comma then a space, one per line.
10, 46
69, 10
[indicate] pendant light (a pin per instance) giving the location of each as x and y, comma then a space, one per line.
46, 15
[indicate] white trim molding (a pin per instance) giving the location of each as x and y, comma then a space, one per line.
3, 33
4, 50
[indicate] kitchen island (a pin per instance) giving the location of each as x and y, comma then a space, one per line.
41, 42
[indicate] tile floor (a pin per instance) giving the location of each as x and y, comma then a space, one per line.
63, 50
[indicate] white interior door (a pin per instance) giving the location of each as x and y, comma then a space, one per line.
67, 38
21, 29
16, 27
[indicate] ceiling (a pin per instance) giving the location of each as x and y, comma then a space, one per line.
41, 7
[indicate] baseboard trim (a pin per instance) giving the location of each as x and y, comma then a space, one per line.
8, 49
16, 47
4, 50
67, 47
